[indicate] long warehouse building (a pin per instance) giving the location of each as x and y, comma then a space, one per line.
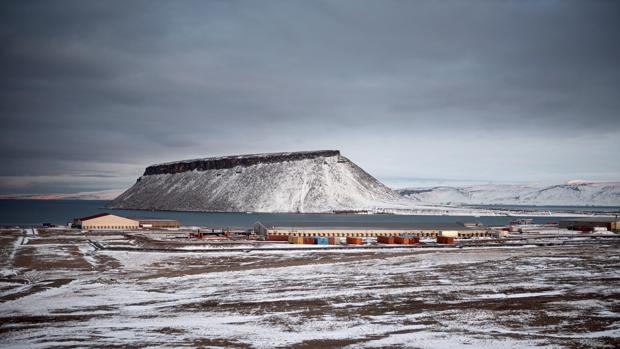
611, 223
361, 229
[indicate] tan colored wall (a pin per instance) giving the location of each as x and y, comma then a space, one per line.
360, 232
110, 222
160, 224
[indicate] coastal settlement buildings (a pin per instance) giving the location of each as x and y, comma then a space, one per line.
366, 229
106, 221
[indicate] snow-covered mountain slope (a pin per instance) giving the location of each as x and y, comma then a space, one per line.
319, 181
572, 194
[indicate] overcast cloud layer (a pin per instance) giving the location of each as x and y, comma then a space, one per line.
412, 91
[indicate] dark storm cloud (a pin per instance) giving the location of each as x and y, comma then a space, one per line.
106, 88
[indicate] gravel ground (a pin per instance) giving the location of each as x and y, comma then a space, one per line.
56, 290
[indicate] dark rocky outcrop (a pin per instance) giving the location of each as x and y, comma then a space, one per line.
219, 163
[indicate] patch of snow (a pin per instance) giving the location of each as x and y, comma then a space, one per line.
575, 194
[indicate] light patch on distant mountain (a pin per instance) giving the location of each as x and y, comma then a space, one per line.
573, 193
86, 195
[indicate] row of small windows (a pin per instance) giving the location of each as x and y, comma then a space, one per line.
107, 227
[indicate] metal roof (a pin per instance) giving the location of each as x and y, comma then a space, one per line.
153, 219
366, 225
94, 216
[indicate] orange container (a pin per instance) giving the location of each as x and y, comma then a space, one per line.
331, 240
385, 239
309, 241
414, 240
354, 240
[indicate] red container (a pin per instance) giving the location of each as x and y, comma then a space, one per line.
385, 239
277, 238
445, 240
401, 240
331, 240
309, 241
354, 240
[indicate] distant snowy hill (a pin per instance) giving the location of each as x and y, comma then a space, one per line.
319, 181
86, 195
572, 194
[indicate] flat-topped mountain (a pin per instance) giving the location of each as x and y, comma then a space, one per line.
310, 181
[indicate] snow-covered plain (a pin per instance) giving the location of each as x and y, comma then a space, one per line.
523, 297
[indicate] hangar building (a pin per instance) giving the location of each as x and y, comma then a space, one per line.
106, 221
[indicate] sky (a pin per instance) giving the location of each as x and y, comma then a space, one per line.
415, 92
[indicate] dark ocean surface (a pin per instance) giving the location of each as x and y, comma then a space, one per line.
36, 212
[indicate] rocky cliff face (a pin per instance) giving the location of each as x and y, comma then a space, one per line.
225, 162
317, 181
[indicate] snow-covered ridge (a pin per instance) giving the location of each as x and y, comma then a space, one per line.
570, 194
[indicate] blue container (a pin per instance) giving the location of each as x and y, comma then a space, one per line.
321, 240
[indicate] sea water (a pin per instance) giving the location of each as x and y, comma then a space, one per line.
37, 212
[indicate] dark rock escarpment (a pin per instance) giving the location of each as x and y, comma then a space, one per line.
224, 162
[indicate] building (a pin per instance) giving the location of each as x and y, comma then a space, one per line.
342, 229
589, 223
106, 221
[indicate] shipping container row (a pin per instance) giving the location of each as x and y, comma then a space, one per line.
316, 240
350, 240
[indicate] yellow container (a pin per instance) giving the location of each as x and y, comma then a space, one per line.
295, 240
